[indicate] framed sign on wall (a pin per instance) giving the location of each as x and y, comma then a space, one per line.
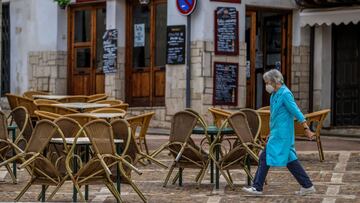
175, 52
226, 31
225, 83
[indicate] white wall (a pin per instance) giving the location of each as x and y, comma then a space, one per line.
116, 18
36, 25
322, 70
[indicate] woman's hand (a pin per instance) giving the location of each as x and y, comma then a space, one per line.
310, 134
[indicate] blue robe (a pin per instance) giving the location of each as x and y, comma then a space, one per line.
280, 148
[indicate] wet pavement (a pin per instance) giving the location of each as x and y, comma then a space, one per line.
337, 179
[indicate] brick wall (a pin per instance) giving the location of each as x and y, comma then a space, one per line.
300, 76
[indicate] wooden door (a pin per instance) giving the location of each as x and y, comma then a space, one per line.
268, 40
146, 53
346, 99
87, 24
250, 35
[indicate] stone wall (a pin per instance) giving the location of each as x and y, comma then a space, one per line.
300, 76
48, 71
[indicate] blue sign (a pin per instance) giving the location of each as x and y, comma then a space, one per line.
186, 7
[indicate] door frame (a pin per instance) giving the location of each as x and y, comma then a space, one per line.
129, 52
287, 60
71, 47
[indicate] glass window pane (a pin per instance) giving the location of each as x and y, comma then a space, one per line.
141, 36
161, 24
83, 57
100, 30
82, 26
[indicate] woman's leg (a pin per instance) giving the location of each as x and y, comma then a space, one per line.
261, 172
299, 173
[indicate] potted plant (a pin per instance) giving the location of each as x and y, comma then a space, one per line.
63, 3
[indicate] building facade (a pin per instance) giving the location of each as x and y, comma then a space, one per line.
61, 51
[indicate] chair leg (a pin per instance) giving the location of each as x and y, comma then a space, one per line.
146, 146
248, 173
176, 177
78, 188
154, 160
13, 178
27, 186
320, 149
203, 171
227, 178
229, 175
160, 149
168, 175
113, 191
56, 189
40, 194
137, 190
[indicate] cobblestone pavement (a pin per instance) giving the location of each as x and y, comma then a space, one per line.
337, 179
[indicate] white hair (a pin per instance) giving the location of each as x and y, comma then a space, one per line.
274, 76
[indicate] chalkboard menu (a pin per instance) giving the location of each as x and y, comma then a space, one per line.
110, 51
226, 31
176, 44
225, 83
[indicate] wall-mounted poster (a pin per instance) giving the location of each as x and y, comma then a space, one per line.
226, 31
225, 83
139, 35
176, 36
110, 51
229, 1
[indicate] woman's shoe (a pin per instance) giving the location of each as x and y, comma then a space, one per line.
251, 190
305, 191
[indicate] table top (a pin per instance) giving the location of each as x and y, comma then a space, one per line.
80, 141
50, 97
82, 105
212, 130
103, 115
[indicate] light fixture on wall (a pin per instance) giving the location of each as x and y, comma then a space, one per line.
144, 2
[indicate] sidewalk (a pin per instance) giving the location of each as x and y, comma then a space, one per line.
337, 179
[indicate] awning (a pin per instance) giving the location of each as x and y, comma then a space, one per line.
326, 3
330, 16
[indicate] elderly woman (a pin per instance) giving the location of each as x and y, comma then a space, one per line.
279, 150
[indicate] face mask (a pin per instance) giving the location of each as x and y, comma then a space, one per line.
269, 88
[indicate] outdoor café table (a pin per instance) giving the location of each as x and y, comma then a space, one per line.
213, 131
81, 106
107, 116
50, 97
84, 141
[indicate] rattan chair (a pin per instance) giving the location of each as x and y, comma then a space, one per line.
97, 97
139, 125
75, 98
137, 154
98, 169
244, 149
254, 121
56, 109
122, 106
315, 120
265, 124
109, 110
265, 108
41, 169
219, 115
29, 94
6, 145
45, 101
111, 102
185, 152
47, 115
81, 119
21, 118
13, 100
